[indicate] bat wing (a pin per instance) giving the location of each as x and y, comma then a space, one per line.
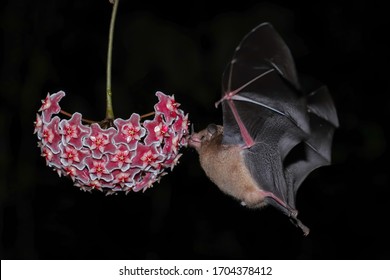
315, 151
262, 72
284, 133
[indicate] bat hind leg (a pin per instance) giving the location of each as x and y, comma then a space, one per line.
259, 198
299, 224
287, 210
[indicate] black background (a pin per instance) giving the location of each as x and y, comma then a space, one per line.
182, 49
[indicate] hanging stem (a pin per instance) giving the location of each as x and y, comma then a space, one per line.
109, 110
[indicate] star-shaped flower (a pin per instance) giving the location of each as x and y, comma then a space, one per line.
51, 135
147, 157
95, 185
74, 131
72, 156
50, 105
180, 126
121, 159
171, 145
125, 179
172, 161
78, 176
52, 160
100, 141
129, 131
156, 130
145, 181
97, 168
38, 126
167, 106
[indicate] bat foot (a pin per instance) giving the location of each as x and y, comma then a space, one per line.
289, 211
304, 228
299, 224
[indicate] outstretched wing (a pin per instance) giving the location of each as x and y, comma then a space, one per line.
266, 113
261, 72
315, 151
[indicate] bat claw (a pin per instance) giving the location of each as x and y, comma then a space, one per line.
304, 228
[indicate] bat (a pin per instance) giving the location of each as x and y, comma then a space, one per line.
274, 134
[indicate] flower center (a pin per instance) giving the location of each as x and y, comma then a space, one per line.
69, 131
48, 135
148, 157
131, 131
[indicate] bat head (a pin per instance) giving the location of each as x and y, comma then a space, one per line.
202, 139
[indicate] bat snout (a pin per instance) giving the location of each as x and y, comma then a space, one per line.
195, 141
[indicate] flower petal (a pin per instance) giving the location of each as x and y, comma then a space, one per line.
51, 135
50, 105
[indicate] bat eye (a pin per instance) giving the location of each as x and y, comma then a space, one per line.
212, 129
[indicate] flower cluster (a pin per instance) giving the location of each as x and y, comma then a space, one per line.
130, 156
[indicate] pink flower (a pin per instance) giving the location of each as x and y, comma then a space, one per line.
52, 160
121, 159
77, 176
156, 130
97, 168
146, 157
180, 126
72, 156
144, 181
74, 131
95, 184
100, 140
50, 105
131, 156
129, 131
125, 179
38, 125
51, 135
171, 145
167, 106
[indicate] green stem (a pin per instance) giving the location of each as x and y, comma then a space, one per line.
109, 110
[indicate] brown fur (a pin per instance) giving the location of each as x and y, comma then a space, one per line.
224, 165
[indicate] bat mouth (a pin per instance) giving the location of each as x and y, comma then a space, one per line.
194, 142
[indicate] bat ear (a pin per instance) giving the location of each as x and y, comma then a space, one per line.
212, 129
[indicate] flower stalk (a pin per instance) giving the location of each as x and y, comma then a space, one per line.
109, 109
